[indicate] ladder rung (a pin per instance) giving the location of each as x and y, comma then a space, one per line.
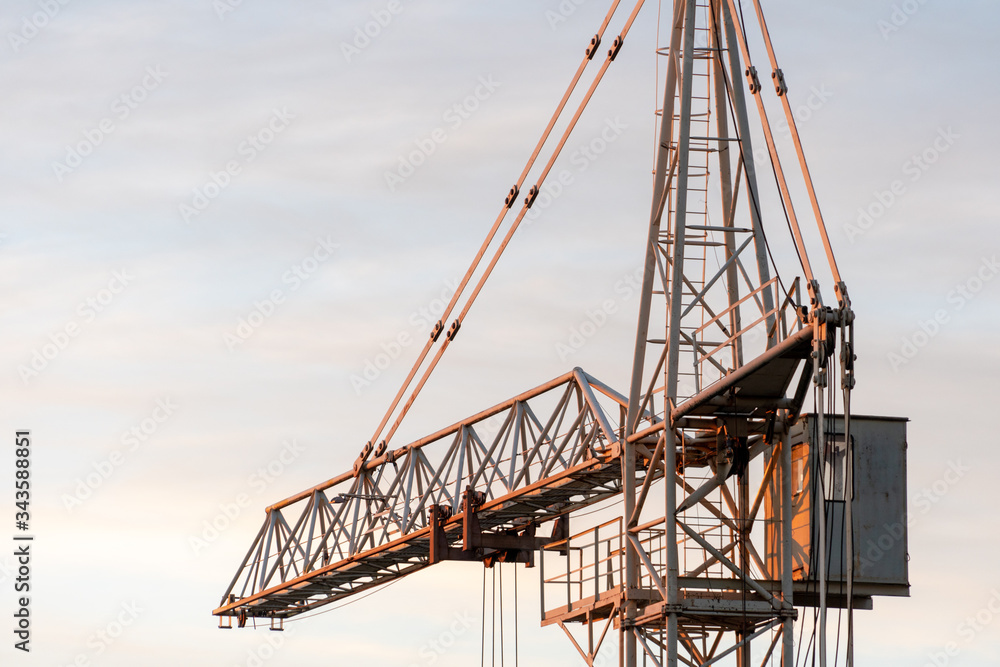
727, 230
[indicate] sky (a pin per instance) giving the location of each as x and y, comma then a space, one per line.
211, 227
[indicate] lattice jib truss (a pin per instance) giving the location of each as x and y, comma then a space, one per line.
530, 460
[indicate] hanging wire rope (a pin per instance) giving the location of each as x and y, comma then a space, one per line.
487, 243
500, 567
303, 617
493, 622
515, 617
752, 192
482, 632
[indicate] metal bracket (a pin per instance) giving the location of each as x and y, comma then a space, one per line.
616, 47
532, 193
436, 331
512, 196
516, 545
752, 80
595, 42
359, 463
780, 87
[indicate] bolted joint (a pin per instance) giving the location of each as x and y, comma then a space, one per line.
512, 196
438, 513
380, 450
453, 330
780, 87
359, 463
616, 47
532, 193
473, 499
436, 331
813, 287
752, 80
595, 42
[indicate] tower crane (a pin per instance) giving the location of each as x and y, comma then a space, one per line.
743, 485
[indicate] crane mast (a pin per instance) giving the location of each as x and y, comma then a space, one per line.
734, 509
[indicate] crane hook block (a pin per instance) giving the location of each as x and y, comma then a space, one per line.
753, 80
595, 43
512, 196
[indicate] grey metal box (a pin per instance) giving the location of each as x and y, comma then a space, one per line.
879, 503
